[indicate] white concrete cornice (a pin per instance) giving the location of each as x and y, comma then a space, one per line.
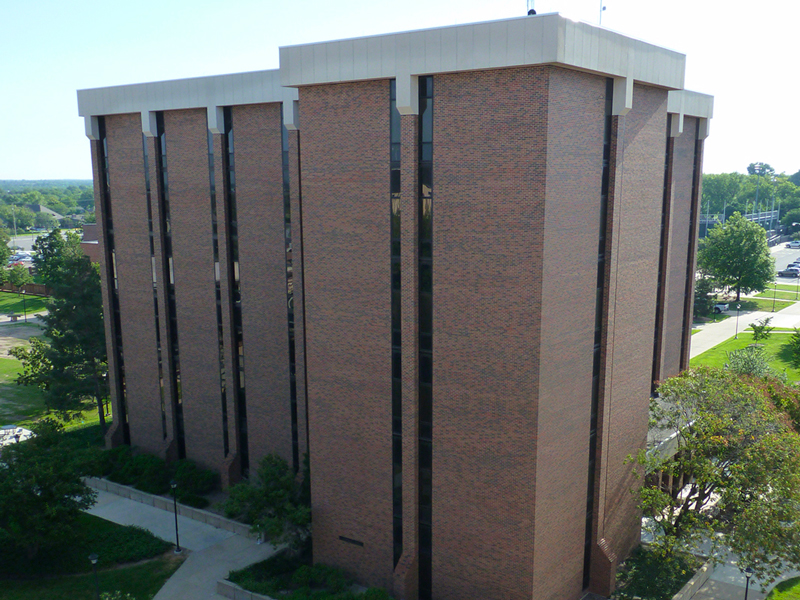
256, 87
541, 39
684, 103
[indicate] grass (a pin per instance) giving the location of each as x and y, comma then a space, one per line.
786, 590
776, 348
142, 581
753, 304
17, 402
114, 544
13, 302
780, 295
695, 331
65, 571
712, 318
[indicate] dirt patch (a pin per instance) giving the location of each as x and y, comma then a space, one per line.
16, 335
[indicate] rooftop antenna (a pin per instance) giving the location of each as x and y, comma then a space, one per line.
602, 8
531, 10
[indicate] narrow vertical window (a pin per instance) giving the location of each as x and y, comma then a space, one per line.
113, 282
169, 280
154, 277
693, 217
223, 383
234, 285
397, 364
599, 326
287, 223
661, 286
425, 258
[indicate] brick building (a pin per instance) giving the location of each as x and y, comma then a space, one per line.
449, 264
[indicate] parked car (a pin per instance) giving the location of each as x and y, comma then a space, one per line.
793, 244
792, 272
721, 307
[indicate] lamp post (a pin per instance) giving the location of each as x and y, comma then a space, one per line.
93, 558
738, 306
174, 485
748, 573
774, 293
24, 310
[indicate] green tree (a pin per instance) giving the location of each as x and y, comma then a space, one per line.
19, 276
762, 329
71, 367
274, 504
45, 220
41, 492
703, 300
733, 476
5, 251
735, 254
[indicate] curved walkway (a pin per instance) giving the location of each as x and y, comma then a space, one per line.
212, 552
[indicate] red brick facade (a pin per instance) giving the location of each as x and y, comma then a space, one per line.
518, 174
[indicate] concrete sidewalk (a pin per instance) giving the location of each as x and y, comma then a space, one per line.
211, 552
713, 334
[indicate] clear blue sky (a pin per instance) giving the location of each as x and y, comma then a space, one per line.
744, 53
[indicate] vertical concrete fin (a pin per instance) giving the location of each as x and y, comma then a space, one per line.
216, 120
149, 127
291, 110
703, 126
407, 94
92, 127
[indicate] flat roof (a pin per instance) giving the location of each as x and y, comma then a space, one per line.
528, 40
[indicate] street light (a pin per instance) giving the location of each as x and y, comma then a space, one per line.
774, 293
738, 306
174, 485
748, 573
24, 310
93, 558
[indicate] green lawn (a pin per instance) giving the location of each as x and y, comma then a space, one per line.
780, 295
776, 348
65, 571
12, 302
786, 590
789, 287
142, 581
17, 402
751, 304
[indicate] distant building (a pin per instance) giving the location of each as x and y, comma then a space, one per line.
89, 242
449, 264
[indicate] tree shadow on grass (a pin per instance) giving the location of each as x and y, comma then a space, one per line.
786, 355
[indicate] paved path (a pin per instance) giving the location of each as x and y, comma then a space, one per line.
712, 334
211, 552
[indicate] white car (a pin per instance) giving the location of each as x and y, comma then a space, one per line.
793, 244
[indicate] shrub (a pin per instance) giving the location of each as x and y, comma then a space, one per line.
193, 500
652, 575
151, 474
751, 360
191, 479
274, 503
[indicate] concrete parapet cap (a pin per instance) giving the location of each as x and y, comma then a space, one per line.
256, 87
533, 40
